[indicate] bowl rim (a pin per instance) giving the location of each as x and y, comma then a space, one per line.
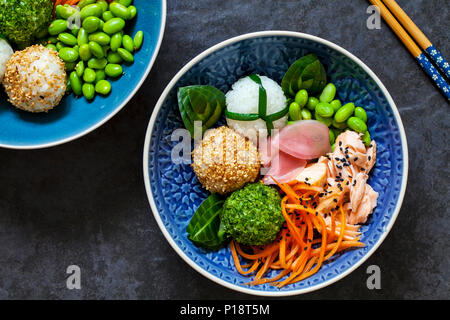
163, 97
115, 111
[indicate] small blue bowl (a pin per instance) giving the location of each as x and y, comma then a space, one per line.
174, 192
75, 117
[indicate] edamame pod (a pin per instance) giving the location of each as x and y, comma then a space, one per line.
332, 137
366, 139
357, 124
114, 25
306, 114
84, 52
312, 103
89, 75
103, 87
91, 24
57, 26
127, 43
328, 93
88, 91
91, 10
339, 125
84, 3
336, 104
361, 113
65, 12
100, 75
68, 54
51, 47
82, 37
59, 45
67, 39
138, 40
116, 41
125, 55
69, 66
301, 98
75, 83
113, 70
107, 15
119, 10
101, 38
114, 57
326, 121
95, 63
103, 4
132, 12
79, 68
294, 111
344, 112
324, 110
126, 3
96, 50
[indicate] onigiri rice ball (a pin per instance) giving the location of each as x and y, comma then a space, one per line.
244, 98
35, 79
5, 53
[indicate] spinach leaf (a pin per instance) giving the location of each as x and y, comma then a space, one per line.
205, 229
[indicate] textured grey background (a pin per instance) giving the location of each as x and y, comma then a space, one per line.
84, 202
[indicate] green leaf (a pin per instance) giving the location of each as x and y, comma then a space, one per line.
205, 229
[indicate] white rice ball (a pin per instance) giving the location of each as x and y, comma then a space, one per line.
244, 97
5, 53
35, 79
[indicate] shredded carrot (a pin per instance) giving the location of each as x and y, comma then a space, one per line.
307, 239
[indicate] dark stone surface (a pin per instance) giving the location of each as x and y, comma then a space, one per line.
84, 203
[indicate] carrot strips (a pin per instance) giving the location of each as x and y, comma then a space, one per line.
309, 237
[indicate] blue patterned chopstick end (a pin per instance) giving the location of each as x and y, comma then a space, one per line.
439, 59
434, 74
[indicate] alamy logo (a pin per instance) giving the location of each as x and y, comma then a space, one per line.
374, 280
74, 280
374, 20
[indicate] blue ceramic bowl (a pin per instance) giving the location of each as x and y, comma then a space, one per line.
174, 192
75, 117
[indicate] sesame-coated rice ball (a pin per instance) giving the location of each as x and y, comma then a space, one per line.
35, 79
225, 161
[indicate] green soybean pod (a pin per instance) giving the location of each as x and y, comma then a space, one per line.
127, 43
113, 70
84, 52
100, 75
103, 87
84, 3
294, 111
126, 3
312, 103
357, 124
52, 40
301, 98
98, 64
59, 45
57, 26
138, 40
68, 54
91, 24
116, 41
89, 75
96, 49
69, 66
67, 39
100, 37
332, 137
324, 109
68, 86
107, 15
336, 104
82, 37
344, 112
328, 93
306, 114
339, 125
114, 58
91, 10
366, 139
114, 25
51, 47
79, 68
75, 83
74, 30
326, 121
361, 113
103, 4
88, 91
119, 10
125, 55
132, 12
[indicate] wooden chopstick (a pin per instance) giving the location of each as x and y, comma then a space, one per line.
418, 36
413, 48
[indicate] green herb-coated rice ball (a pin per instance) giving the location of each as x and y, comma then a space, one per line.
252, 215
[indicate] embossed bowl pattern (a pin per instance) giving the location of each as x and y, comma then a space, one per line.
175, 193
